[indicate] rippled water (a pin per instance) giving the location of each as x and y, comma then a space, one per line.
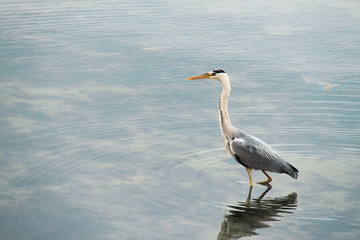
103, 138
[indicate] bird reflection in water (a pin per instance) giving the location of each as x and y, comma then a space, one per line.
244, 218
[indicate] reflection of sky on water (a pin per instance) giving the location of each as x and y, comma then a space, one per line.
102, 137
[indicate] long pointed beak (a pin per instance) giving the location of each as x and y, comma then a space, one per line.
202, 76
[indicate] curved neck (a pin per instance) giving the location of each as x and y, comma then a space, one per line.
224, 119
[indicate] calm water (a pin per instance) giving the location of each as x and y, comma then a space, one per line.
103, 138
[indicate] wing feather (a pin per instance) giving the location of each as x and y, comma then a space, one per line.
254, 153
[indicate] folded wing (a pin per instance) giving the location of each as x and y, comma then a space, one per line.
254, 153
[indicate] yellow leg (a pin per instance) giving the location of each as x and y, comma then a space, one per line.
266, 181
249, 173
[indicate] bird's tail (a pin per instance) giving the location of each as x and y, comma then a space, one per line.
291, 170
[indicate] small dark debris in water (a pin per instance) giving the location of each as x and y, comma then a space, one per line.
324, 85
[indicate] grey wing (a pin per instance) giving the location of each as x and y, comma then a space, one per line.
254, 153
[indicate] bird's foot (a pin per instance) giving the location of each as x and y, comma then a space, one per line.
265, 182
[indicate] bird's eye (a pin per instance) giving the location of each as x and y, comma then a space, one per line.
213, 74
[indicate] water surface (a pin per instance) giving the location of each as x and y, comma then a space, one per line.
103, 138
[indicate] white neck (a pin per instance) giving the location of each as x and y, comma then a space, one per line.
224, 119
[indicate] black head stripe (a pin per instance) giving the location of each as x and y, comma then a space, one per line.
218, 71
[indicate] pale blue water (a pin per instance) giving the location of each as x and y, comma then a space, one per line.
103, 138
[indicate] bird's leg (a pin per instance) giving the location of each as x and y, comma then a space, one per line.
266, 191
266, 181
249, 195
249, 173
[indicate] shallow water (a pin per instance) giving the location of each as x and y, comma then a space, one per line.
103, 138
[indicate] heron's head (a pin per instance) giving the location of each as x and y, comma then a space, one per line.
217, 74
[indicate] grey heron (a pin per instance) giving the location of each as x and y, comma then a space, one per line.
246, 149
